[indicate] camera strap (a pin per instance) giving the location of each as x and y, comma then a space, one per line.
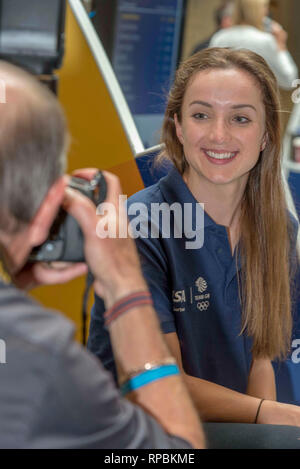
84, 314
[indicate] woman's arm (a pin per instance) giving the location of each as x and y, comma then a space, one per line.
281, 63
216, 403
261, 382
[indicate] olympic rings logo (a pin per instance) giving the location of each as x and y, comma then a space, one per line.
203, 305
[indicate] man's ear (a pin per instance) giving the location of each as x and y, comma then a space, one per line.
178, 128
39, 227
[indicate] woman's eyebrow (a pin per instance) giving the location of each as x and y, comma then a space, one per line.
200, 102
239, 106
235, 106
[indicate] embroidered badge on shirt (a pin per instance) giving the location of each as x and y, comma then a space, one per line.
181, 298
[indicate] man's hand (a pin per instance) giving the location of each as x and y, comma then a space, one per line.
113, 261
40, 273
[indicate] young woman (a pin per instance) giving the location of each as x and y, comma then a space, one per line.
225, 308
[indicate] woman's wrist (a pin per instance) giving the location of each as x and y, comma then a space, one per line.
266, 411
258, 410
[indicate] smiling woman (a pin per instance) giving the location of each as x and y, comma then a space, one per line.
222, 131
225, 308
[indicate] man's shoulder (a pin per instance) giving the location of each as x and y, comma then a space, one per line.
26, 320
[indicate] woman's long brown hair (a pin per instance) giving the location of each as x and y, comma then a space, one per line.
264, 284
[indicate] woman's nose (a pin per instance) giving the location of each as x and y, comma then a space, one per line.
219, 132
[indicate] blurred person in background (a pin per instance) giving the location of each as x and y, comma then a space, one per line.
223, 19
253, 29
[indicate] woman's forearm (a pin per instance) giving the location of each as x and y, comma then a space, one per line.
261, 382
216, 403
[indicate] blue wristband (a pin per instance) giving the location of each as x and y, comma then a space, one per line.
148, 376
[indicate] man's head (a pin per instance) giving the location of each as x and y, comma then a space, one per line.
33, 140
223, 15
33, 145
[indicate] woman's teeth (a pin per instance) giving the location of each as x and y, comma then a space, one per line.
220, 156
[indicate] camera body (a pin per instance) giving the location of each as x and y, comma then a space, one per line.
65, 240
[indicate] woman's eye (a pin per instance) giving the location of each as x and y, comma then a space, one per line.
241, 119
200, 115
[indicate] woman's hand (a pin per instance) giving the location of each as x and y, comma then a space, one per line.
277, 413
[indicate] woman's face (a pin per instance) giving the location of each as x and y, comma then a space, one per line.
222, 127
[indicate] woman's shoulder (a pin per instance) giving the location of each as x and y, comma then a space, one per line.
293, 224
161, 191
147, 196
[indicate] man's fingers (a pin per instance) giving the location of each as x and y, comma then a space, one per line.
85, 173
112, 181
82, 209
114, 189
50, 276
34, 275
113, 193
85, 212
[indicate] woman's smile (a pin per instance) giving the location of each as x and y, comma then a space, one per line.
220, 157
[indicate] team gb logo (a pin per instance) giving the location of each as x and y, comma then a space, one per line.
201, 284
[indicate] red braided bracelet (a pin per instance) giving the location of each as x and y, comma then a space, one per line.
139, 298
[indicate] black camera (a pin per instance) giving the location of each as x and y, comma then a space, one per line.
65, 241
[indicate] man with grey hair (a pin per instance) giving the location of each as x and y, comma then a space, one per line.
53, 393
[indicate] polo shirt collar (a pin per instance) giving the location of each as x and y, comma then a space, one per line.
174, 189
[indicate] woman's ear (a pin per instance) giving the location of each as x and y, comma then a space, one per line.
178, 129
264, 142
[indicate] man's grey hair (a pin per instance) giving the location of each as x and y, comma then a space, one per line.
33, 143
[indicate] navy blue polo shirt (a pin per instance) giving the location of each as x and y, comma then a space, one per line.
195, 293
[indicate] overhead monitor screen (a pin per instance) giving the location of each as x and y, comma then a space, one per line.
144, 50
29, 27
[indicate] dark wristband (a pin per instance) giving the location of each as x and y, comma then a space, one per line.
258, 410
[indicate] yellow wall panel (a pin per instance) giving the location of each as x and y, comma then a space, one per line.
98, 140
